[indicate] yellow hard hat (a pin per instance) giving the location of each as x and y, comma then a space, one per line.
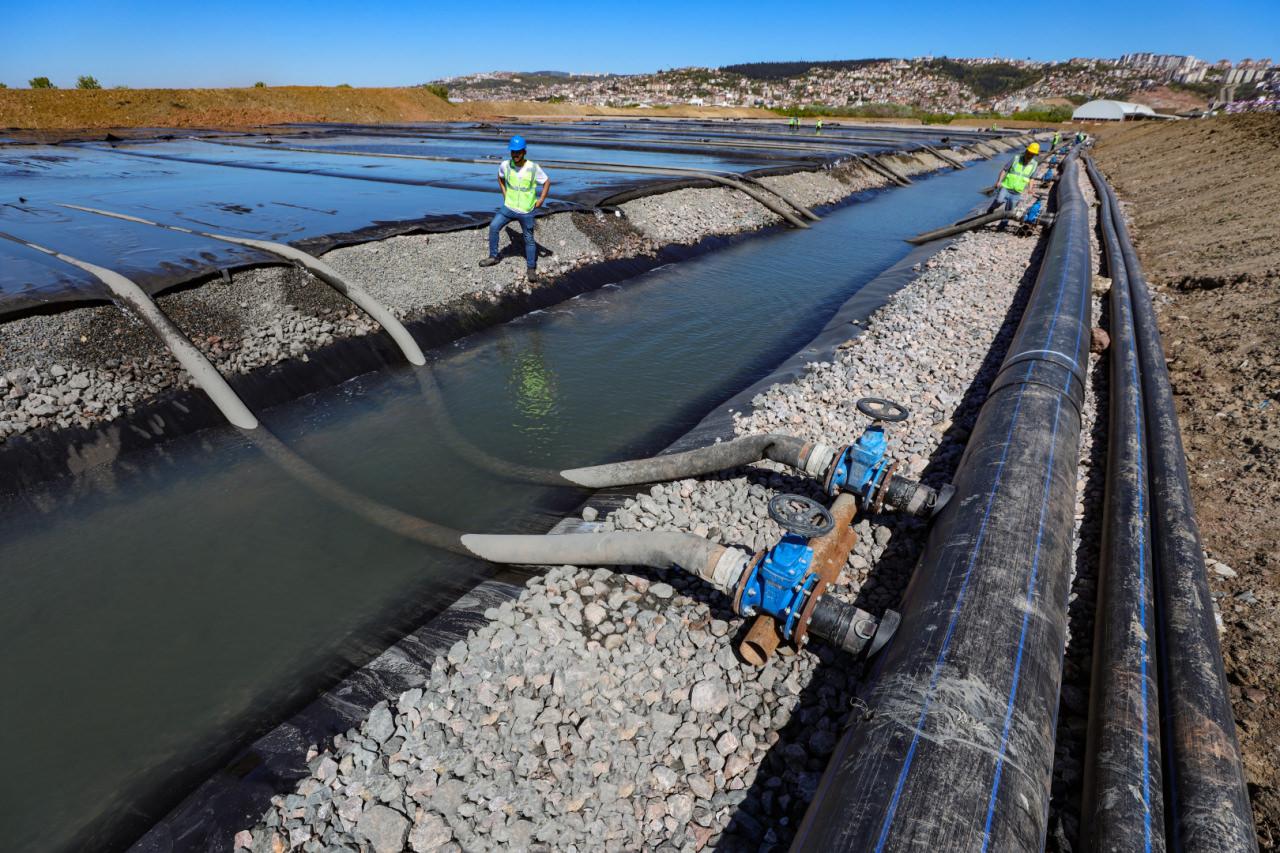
1034, 148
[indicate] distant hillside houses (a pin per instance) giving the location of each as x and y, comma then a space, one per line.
927, 83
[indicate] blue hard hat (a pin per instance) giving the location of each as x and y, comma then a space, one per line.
517, 143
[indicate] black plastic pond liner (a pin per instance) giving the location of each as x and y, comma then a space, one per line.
312, 212
1206, 798
1122, 805
951, 745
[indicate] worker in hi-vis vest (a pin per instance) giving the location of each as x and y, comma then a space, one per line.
1057, 139
1014, 179
524, 188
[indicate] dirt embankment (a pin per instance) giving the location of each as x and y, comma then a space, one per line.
76, 109
1205, 199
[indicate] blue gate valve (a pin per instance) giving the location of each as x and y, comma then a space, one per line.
1033, 212
864, 469
861, 467
780, 581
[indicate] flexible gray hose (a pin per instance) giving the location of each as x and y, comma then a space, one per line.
960, 227
713, 563
135, 300
811, 458
321, 270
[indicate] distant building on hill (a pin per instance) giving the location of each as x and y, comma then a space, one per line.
1113, 111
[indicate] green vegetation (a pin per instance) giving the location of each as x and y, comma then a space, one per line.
84, 81
987, 81
1050, 115
1077, 99
40, 83
1205, 89
783, 70
4, 85
259, 85
438, 89
343, 86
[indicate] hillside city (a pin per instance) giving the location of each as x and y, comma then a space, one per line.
1168, 82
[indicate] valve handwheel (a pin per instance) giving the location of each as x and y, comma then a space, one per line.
880, 409
801, 516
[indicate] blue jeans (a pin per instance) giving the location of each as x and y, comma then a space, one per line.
500, 219
1006, 197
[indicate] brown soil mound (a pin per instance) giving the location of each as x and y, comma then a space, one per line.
75, 109
62, 109
1162, 99
1205, 199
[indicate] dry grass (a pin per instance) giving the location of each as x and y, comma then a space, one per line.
74, 109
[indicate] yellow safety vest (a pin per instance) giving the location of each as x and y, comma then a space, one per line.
1019, 175
521, 186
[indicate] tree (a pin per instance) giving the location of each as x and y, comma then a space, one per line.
4, 85
441, 92
84, 81
259, 85
40, 83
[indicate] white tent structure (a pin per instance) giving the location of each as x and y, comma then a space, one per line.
1112, 111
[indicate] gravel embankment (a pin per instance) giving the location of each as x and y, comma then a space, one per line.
607, 710
88, 365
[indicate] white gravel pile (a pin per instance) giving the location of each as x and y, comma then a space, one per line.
607, 710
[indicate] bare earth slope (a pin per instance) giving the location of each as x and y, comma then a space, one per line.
75, 109
1205, 199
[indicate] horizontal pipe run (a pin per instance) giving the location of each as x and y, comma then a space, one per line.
1206, 798
810, 458
135, 300
321, 270
1122, 806
951, 747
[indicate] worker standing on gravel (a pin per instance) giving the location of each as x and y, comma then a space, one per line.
1014, 179
519, 180
1057, 139
819, 127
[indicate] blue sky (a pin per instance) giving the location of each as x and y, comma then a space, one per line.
373, 43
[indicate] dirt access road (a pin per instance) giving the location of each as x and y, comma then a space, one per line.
1204, 196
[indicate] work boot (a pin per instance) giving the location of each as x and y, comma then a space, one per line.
488, 262
531, 275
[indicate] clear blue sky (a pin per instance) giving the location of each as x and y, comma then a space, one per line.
374, 43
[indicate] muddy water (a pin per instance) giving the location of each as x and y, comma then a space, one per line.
165, 609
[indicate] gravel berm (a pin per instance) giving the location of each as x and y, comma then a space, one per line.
607, 710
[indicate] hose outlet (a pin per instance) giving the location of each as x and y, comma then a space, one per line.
852, 629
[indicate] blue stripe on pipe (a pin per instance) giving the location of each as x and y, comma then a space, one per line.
1032, 588
951, 626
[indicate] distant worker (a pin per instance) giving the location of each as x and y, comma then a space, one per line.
1057, 139
1080, 137
1014, 179
818, 131
518, 179
794, 124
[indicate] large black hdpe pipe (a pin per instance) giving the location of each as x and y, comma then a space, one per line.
1122, 804
951, 745
1206, 798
